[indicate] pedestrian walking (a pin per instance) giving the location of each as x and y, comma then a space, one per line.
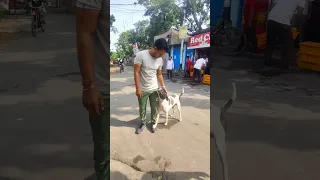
170, 67
147, 76
93, 44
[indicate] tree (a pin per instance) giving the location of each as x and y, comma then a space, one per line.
113, 56
163, 14
112, 28
124, 47
196, 13
140, 33
136, 35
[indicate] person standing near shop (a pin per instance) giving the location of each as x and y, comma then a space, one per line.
199, 64
170, 67
279, 27
188, 67
93, 44
147, 75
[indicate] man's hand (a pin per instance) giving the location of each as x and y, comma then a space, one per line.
139, 93
92, 101
165, 89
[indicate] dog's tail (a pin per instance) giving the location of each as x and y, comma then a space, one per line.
231, 100
182, 92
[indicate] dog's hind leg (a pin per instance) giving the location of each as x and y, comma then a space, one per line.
167, 114
172, 111
179, 109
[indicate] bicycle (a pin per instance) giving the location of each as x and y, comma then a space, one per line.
36, 21
121, 68
179, 72
226, 36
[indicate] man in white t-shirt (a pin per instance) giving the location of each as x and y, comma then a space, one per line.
147, 75
199, 64
170, 67
279, 28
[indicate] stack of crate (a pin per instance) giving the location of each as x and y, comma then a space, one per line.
206, 79
295, 33
262, 39
261, 19
309, 56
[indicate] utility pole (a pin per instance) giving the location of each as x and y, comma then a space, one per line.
182, 41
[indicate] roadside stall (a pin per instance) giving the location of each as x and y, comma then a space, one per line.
200, 43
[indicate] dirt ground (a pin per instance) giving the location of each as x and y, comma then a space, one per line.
14, 27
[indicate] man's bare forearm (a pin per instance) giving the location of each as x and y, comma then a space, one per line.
137, 80
85, 54
86, 27
160, 79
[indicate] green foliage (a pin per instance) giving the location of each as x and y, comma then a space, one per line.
127, 38
124, 47
113, 56
163, 14
197, 13
140, 33
112, 28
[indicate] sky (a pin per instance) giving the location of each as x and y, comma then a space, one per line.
126, 16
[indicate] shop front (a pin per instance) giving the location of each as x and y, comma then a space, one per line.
174, 42
199, 46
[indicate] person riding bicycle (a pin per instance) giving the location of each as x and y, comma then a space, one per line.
39, 4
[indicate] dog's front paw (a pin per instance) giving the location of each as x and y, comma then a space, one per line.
165, 124
180, 120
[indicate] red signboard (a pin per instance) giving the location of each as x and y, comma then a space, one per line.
199, 41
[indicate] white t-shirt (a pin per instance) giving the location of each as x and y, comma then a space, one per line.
170, 65
148, 71
199, 63
283, 10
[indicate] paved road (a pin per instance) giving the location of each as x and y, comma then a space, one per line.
182, 149
45, 132
274, 125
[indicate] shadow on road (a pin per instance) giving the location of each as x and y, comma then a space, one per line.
273, 126
134, 123
163, 175
6, 178
42, 118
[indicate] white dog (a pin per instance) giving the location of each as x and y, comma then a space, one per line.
219, 127
166, 103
